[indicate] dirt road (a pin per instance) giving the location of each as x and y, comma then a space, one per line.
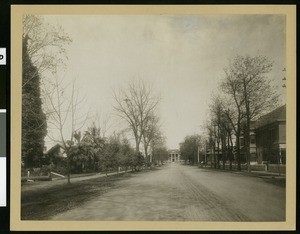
184, 193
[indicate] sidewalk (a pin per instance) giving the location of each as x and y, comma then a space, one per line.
28, 186
262, 174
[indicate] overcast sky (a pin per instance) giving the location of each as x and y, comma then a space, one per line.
182, 56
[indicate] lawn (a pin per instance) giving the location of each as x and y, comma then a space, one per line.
43, 203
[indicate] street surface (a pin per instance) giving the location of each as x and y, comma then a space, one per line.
178, 192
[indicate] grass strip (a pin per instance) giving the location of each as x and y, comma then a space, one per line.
42, 204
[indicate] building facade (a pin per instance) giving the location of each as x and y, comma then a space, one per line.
267, 138
270, 134
212, 156
174, 155
55, 155
253, 153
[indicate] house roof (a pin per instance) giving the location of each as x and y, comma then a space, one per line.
173, 150
210, 152
52, 149
279, 114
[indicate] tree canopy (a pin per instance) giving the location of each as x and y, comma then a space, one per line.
34, 125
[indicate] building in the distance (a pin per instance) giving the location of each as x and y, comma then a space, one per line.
174, 155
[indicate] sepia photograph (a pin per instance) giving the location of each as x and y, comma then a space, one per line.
153, 117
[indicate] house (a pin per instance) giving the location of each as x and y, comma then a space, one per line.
55, 155
267, 138
210, 153
174, 155
270, 131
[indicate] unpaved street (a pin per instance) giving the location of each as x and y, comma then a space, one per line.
184, 193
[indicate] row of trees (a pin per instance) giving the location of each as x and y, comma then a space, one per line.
245, 93
53, 108
94, 152
98, 153
137, 105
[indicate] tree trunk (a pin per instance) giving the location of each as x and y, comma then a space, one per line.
137, 142
68, 169
137, 145
218, 156
215, 164
247, 128
247, 144
223, 151
238, 152
230, 147
146, 154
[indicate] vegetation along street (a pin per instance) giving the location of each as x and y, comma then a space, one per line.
153, 117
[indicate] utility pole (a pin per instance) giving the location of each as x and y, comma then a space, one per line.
284, 78
205, 153
198, 153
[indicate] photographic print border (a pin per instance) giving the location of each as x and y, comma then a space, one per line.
17, 11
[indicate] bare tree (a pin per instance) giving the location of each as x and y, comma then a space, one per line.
135, 105
216, 110
46, 44
150, 133
211, 141
254, 88
63, 114
229, 149
234, 108
157, 145
43, 50
189, 148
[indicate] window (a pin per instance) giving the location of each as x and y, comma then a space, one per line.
252, 139
241, 142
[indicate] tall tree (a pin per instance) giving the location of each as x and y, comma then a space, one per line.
150, 132
93, 144
135, 104
46, 43
189, 148
109, 157
160, 155
229, 149
254, 86
43, 50
217, 120
157, 147
65, 118
234, 108
34, 126
126, 154
211, 142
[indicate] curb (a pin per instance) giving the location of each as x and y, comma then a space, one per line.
252, 173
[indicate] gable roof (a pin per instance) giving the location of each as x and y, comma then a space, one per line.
54, 148
279, 114
173, 151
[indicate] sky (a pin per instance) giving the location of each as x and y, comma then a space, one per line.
182, 56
